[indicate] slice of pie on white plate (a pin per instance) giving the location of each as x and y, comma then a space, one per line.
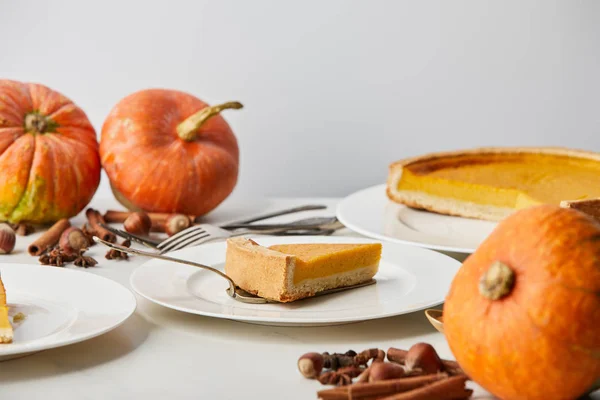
289, 272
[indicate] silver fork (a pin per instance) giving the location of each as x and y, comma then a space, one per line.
203, 233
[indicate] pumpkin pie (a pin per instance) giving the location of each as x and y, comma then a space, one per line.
491, 183
289, 272
6, 331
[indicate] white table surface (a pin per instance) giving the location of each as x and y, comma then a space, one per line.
163, 354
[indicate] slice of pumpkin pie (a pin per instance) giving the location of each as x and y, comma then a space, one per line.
289, 272
6, 330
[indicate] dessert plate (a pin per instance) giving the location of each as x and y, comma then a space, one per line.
370, 213
409, 279
60, 306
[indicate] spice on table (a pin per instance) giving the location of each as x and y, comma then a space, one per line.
381, 388
72, 240
414, 374
94, 219
446, 389
56, 257
423, 357
114, 216
84, 261
23, 229
7, 239
340, 377
48, 238
89, 234
114, 254
138, 223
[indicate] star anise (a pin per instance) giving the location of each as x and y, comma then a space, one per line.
84, 261
114, 254
340, 377
56, 257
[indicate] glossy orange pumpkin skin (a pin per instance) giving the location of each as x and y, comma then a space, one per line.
44, 176
542, 340
153, 169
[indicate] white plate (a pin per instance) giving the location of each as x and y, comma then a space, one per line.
370, 213
409, 279
61, 307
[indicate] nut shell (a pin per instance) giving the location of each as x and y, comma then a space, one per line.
72, 240
7, 239
381, 371
310, 365
424, 357
176, 223
138, 223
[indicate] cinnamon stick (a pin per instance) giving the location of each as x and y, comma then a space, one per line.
448, 389
49, 238
94, 219
363, 391
113, 216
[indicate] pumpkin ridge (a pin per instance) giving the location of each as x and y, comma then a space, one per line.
64, 148
156, 165
548, 335
29, 169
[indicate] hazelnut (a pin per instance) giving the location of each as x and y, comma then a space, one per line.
424, 357
72, 240
138, 223
7, 239
176, 223
311, 365
381, 371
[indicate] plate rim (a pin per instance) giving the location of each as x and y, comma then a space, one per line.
304, 321
353, 227
10, 349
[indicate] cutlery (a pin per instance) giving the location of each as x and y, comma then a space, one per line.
202, 233
292, 210
233, 290
436, 318
283, 231
152, 243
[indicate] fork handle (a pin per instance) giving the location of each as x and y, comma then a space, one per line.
129, 250
292, 210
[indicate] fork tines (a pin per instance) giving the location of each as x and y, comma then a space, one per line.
183, 239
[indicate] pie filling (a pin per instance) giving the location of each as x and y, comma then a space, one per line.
329, 259
506, 181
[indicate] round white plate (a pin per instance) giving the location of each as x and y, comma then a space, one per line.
61, 307
370, 213
409, 279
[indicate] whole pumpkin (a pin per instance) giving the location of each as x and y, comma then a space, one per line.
49, 161
167, 151
522, 316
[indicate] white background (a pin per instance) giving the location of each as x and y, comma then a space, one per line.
333, 90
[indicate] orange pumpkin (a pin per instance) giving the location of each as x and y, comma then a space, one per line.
522, 316
49, 161
167, 151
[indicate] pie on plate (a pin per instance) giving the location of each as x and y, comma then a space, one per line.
6, 330
491, 183
289, 272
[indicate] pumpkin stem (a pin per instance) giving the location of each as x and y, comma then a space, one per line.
188, 129
497, 281
38, 123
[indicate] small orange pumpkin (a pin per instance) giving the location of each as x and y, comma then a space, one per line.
522, 316
167, 151
49, 161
